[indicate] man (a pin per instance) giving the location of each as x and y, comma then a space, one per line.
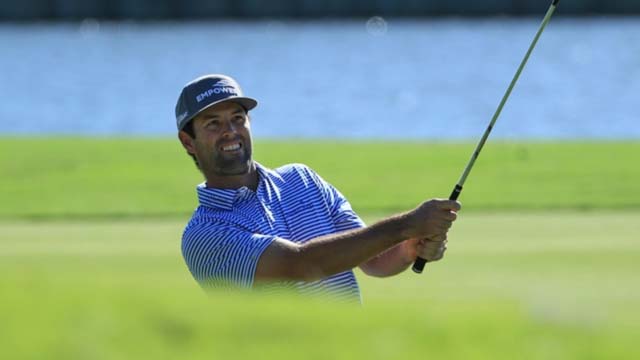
285, 226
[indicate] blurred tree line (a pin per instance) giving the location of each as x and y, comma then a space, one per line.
187, 9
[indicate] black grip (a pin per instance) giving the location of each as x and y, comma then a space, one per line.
455, 193
419, 264
555, 2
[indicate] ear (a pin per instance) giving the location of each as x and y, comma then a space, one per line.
187, 142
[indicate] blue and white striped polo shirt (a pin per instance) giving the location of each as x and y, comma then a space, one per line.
231, 228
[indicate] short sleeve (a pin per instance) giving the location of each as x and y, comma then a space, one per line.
342, 213
223, 256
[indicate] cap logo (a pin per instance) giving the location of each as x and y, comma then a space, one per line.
221, 87
182, 116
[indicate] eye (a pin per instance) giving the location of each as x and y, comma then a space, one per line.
213, 124
238, 119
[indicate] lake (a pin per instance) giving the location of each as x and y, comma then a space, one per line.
379, 79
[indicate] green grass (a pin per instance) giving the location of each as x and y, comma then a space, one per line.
105, 280
559, 285
86, 178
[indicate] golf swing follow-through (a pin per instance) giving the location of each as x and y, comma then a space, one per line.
288, 226
284, 227
419, 264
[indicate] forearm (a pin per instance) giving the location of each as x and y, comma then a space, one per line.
332, 254
390, 262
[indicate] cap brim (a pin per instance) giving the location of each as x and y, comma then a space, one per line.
246, 102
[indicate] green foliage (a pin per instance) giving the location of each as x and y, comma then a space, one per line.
96, 177
524, 286
532, 285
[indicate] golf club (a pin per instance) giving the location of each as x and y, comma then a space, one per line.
419, 264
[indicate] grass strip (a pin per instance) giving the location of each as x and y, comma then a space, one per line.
44, 178
525, 286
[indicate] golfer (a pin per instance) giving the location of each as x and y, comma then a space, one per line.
257, 226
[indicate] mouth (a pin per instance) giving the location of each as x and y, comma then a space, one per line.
231, 147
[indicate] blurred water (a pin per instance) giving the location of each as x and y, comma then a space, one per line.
399, 79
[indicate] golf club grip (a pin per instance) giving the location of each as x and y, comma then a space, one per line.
418, 265
456, 192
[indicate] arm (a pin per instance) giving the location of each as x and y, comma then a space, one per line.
328, 255
389, 263
400, 257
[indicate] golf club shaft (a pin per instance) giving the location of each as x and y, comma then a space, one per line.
419, 264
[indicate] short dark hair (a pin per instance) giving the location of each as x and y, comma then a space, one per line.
188, 128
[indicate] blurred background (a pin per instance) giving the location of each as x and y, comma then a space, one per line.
386, 100
346, 69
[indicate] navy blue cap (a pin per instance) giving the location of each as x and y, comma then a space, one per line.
206, 91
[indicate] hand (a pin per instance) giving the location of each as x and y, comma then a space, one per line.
431, 220
428, 249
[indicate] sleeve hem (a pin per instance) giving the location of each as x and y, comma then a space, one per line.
254, 257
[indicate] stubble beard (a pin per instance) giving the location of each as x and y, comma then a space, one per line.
232, 167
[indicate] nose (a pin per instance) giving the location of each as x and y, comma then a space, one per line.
229, 129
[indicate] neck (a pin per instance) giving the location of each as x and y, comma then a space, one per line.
249, 179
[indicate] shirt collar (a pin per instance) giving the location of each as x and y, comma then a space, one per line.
225, 198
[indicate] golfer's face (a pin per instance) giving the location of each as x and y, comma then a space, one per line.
223, 139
